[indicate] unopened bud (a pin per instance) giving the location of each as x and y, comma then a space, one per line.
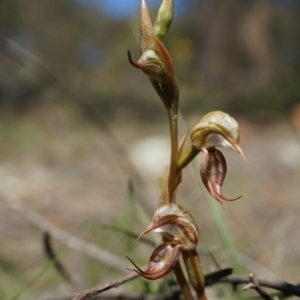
146, 29
164, 19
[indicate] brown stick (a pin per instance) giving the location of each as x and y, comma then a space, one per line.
255, 285
283, 287
107, 286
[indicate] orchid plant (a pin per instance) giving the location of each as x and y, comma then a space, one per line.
216, 129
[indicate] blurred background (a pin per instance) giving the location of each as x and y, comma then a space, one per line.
84, 138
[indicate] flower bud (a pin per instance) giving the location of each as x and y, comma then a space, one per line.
158, 65
146, 29
164, 19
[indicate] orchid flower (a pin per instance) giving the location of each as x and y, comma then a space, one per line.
180, 233
215, 129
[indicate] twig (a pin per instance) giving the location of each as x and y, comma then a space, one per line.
94, 292
173, 294
215, 277
62, 236
107, 297
102, 288
253, 284
210, 279
282, 286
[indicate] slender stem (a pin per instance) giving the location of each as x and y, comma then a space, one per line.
172, 109
186, 292
194, 269
169, 94
173, 114
187, 157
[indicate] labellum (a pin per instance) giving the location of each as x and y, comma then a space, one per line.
213, 170
162, 261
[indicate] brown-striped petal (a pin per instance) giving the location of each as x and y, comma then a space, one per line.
162, 261
213, 169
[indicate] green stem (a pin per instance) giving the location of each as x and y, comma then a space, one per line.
173, 114
194, 269
172, 109
187, 157
186, 292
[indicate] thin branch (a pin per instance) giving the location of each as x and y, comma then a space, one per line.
94, 292
282, 286
65, 238
210, 279
171, 295
255, 285
102, 288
